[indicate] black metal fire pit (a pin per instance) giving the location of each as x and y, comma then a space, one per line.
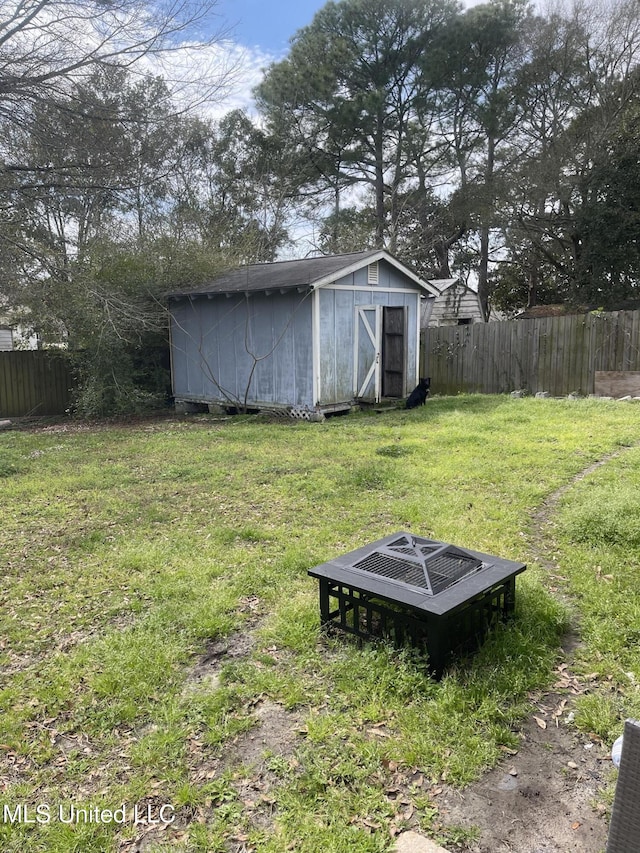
420, 592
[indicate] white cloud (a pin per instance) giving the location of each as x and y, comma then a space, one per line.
212, 79
249, 65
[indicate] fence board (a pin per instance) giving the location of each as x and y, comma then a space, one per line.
555, 354
34, 383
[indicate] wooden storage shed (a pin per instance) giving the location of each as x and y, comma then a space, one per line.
309, 336
455, 305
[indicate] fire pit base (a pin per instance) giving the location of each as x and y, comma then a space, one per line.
355, 611
456, 619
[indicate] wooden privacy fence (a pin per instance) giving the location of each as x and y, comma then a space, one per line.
34, 383
555, 354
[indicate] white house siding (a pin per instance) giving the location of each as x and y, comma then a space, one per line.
456, 304
216, 342
6, 339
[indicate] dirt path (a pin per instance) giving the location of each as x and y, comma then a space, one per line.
543, 799
547, 797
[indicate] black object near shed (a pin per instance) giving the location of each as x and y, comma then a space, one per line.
418, 592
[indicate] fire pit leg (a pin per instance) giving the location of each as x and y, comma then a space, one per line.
437, 648
509, 598
325, 617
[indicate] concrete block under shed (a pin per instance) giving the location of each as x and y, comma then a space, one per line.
617, 383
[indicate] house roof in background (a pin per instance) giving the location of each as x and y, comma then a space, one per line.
310, 273
442, 284
558, 310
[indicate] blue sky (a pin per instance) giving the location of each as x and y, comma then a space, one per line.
265, 25
254, 34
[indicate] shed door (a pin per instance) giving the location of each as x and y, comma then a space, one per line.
366, 359
394, 351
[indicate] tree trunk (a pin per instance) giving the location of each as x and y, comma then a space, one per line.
532, 285
441, 251
483, 269
483, 273
379, 187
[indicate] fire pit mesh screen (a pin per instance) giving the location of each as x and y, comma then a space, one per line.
398, 570
430, 566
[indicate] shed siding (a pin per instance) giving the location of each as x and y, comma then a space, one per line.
337, 334
389, 277
222, 345
217, 342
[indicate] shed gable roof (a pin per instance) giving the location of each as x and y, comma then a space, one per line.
303, 273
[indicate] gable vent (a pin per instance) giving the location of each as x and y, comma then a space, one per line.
372, 273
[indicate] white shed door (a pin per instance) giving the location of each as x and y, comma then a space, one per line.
368, 338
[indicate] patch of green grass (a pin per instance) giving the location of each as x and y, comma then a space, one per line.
131, 551
598, 713
11, 463
597, 548
607, 513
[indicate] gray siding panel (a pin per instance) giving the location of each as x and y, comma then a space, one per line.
220, 345
455, 303
388, 276
343, 347
337, 335
179, 349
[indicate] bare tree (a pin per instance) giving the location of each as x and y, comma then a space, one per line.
47, 45
43, 42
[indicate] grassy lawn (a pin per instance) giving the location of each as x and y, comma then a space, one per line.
136, 556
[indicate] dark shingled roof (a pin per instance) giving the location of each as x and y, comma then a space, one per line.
558, 310
279, 275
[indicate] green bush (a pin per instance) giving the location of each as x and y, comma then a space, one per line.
116, 379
